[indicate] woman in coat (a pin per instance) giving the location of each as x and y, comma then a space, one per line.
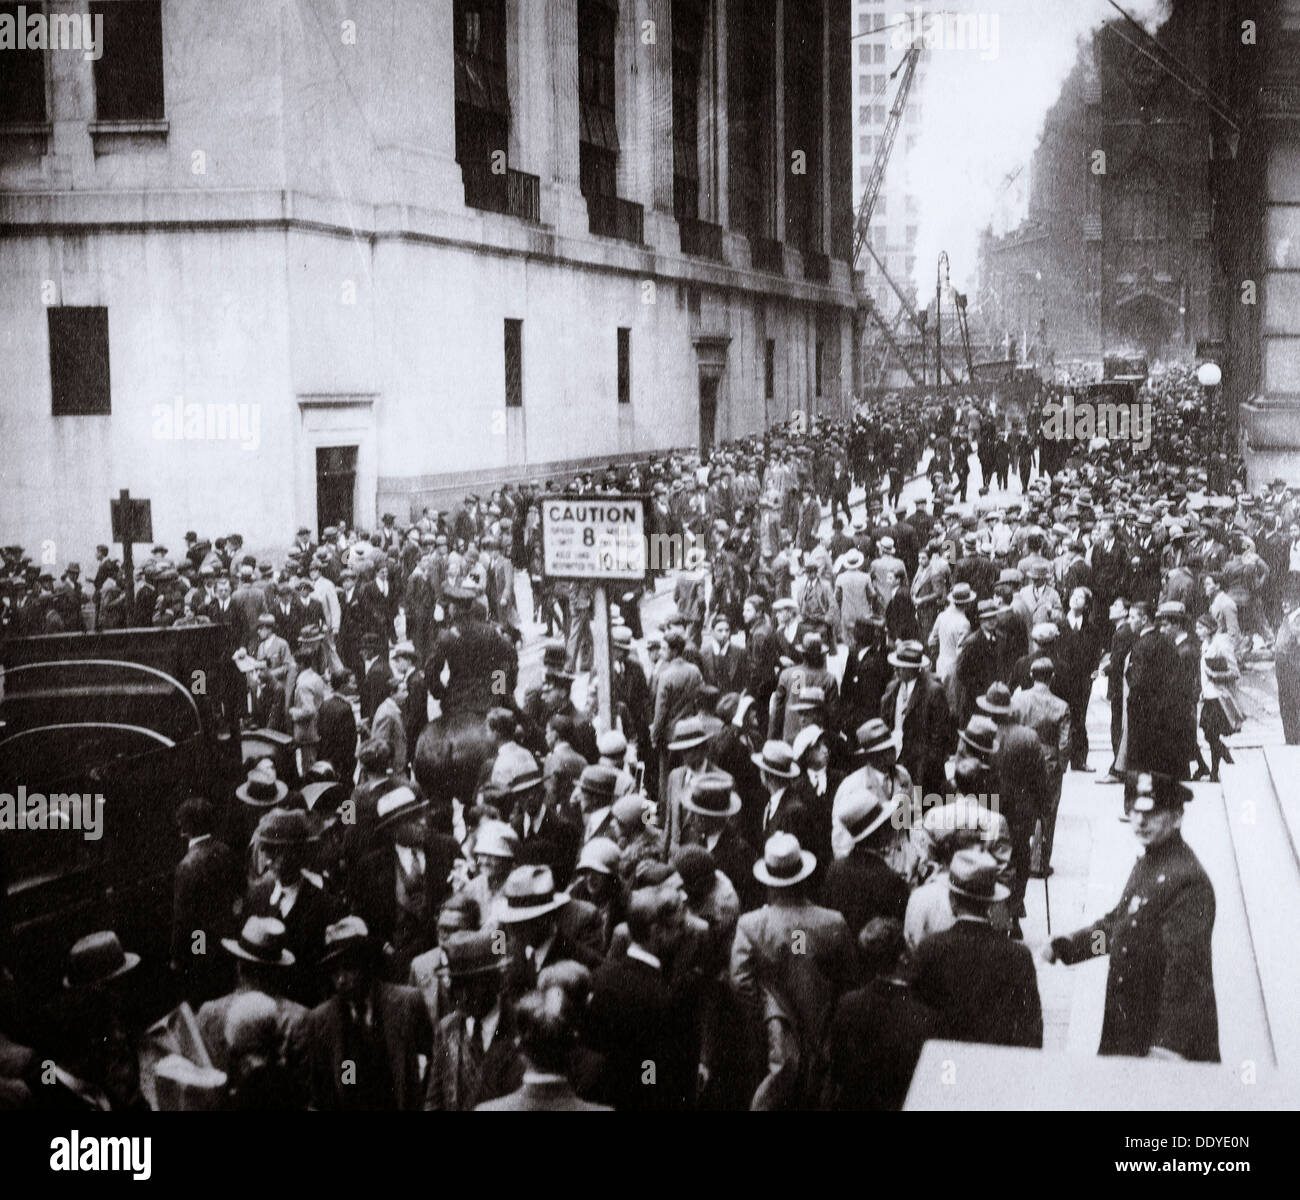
1220, 705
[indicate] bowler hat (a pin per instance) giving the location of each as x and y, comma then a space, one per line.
471, 952
284, 827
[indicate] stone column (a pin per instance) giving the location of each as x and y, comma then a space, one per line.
562, 202
719, 133
778, 116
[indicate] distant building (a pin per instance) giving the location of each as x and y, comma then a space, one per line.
389, 254
1114, 253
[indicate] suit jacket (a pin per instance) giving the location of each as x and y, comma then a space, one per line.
268, 711
1153, 707
304, 927
288, 622
1049, 717
407, 1036
675, 689
372, 882
371, 689
863, 685
725, 671
633, 1017
388, 726
862, 886
1160, 987
876, 1038
378, 610
543, 1094
982, 985
551, 840
928, 733
462, 1074
1075, 654
336, 726
208, 882
977, 665
211, 1019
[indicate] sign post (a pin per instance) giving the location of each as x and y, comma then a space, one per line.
131, 520
596, 539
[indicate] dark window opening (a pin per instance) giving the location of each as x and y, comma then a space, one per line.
514, 363
688, 40
129, 75
22, 81
624, 366
820, 359
79, 383
769, 369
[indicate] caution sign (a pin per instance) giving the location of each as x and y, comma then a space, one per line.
594, 537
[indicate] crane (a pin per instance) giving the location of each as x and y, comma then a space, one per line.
870, 193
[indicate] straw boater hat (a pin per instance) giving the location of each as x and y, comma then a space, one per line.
397, 806
262, 789
784, 863
261, 941
874, 736
907, 654
713, 795
864, 814
777, 759
687, 733
530, 893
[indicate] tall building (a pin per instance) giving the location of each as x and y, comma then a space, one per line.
1115, 254
389, 253
878, 48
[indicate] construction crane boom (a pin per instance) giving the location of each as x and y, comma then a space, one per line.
883, 151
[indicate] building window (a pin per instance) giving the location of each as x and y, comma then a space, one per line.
877, 22
482, 95
624, 366
79, 385
597, 125
514, 363
129, 75
878, 114
864, 55
864, 115
864, 144
880, 203
688, 41
879, 55
864, 174
819, 359
22, 82
769, 369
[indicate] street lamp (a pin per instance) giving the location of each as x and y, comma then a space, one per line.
1209, 375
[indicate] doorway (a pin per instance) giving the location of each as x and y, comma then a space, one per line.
336, 480
708, 415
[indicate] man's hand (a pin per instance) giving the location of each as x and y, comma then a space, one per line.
1047, 953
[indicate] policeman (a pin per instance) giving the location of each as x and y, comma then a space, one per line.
1160, 988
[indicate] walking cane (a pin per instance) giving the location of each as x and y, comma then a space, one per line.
1047, 902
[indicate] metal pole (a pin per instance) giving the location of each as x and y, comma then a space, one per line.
600, 645
128, 564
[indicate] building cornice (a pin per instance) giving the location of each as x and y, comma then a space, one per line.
42, 214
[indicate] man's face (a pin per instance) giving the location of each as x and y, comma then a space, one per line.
721, 632
1136, 620
349, 981
223, 588
263, 632
1078, 601
1156, 827
747, 611
818, 756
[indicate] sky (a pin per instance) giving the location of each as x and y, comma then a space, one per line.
982, 109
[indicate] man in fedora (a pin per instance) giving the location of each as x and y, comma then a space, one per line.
595, 793
545, 836
723, 664
474, 1055
1174, 624
544, 925
362, 1049
950, 629
977, 661
915, 708
399, 884
295, 896
676, 687
853, 592
983, 986
691, 743
272, 649
1160, 987
787, 998
786, 717
261, 963
709, 813
784, 810
1041, 710
207, 887
866, 672
861, 885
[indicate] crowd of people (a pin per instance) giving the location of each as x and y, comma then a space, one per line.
800, 849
